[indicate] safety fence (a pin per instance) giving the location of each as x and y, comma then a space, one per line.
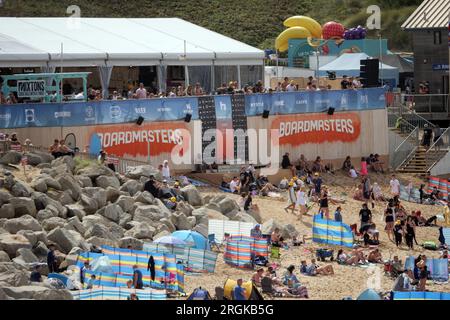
240, 251
168, 273
438, 268
196, 260
419, 295
442, 185
108, 293
172, 109
331, 232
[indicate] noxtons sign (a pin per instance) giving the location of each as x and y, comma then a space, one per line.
31, 88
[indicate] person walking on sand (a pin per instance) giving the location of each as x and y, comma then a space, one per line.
301, 202
323, 203
395, 186
389, 218
291, 198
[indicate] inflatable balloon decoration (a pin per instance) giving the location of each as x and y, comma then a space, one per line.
299, 27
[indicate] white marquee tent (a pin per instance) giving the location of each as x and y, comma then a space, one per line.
109, 42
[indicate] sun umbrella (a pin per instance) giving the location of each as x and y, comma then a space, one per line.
170, 240
192, 238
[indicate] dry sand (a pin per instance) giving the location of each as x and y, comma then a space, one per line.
347, 281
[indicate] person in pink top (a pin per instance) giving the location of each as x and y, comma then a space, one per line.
363, 171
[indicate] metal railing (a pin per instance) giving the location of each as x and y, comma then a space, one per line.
438, 149
425, 103
408, 114
405, 149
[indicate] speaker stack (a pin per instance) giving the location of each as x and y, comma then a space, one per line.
370, 72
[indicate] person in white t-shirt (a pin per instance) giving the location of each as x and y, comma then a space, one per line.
165, 170
235, 185
141, 92
395, 186
353, 173
291, 87
301, 201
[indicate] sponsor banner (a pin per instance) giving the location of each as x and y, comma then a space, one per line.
172, 109
31, 88
136, 141
317, 128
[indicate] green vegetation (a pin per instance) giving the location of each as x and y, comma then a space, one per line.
82, 163
254, 22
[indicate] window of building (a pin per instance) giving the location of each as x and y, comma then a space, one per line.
437, 37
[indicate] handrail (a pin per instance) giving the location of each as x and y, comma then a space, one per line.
413, 151
438, 140
406, 139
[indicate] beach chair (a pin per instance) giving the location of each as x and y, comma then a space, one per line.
275, 253
212, 241
267, 287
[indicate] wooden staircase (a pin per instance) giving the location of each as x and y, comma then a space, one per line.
421, 161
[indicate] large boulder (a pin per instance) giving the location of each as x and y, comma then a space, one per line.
23, 223
45, 214
288, 232
37, 293
98, 194
21, 189
107, 181
75, 224
68, 182
144, 197
39, 185
125, 202
53, 223
34, 236
65, 198
132, 187
84, 181
25, 256
243, 217
13, 274
45, 157
161, 234
142, 171
192, 195
67, 239
99, 231
269, 226
182, 222
68, 160
255, 215
98, 242
113, 212
50, 182
43, 201
112, 194
11, 157
135, 244
170, 226
7, 211
203, 215
57, 171
33, 159
202, 229
184, 207
4, 257
23, 206
95, 170
10, 243
40, 249
89, 205
227, 205
141, 231
75, 210
152, 212
4, 197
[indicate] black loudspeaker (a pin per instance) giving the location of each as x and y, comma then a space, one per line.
370, 72
265, 114
188, 117
331, 111
140, 120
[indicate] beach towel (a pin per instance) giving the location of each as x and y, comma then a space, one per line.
197, 183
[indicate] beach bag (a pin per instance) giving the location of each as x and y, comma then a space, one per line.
430, 245
261, 261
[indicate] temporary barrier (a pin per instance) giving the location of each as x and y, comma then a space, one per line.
418, 295
192, 259
443, 185
123, 260
241, 250
438, 268
220, 227
107, 293
332, 232
169, 109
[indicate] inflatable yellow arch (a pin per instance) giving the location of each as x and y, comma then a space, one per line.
299, 27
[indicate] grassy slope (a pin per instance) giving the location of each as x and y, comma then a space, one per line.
254, 22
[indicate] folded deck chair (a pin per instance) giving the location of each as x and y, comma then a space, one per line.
267, 287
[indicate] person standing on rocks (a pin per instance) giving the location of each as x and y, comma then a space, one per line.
51, 260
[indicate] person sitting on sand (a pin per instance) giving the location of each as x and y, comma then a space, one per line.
358, 195
403, 282
423, 222
375, 256
347, 259
276, 239
353, 173
315, 269
257, 276
377, 193
293, 284
347, 165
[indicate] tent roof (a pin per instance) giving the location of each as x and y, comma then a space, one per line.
120, 41
398, 62
350, 61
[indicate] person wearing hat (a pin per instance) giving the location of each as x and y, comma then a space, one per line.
291, 197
